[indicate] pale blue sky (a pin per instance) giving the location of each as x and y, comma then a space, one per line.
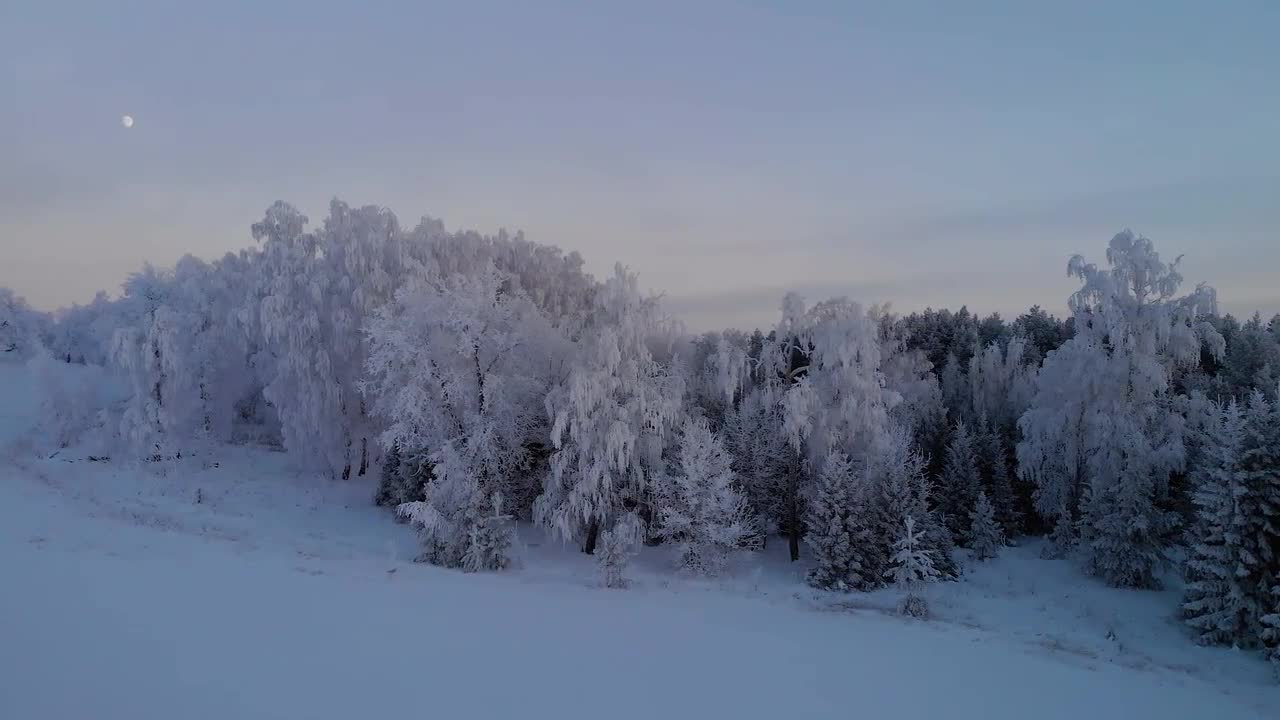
921, 153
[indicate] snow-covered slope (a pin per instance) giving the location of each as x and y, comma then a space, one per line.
248, 591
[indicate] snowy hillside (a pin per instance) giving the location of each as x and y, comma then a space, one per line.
232, 587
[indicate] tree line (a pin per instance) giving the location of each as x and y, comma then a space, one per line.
489, 380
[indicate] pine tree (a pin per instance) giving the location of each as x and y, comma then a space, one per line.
961, 481
1217, 603
986, 537
837, 533
700, 509
912, 567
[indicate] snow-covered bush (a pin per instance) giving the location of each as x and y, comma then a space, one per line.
76, 403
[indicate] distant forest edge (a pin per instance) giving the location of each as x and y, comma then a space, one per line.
488, 380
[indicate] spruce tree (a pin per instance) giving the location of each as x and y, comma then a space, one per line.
837, 533
912, 567
1260, 467
1125, 531
1218, 604
403, 479
900, 488
961, 481
490, 541
700, 510
1271, 626
615, 548
986, 537
993, 464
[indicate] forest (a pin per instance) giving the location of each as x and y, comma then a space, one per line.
486, 381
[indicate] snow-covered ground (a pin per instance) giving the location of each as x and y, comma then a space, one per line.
248, 591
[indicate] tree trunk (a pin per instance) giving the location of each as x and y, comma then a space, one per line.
793, 542
364, 456
593, 532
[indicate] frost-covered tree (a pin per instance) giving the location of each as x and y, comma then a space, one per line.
1001, 384
20, 326
825, 377
403, 479
838, 528
1271, 627
611, 418
1260, 469
961, 481
313, 292
74, 403
82, 334
1103, 434
900, 488
719, 374
700, 510
1217, 604
909, 374
912, 567
766, 466
451, 372
986, 537
840, 402
142, 351
617, 545
1057, 437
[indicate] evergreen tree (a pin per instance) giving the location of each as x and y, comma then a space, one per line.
490, 540
402, 480
1218, 605
1125, 530
961, 481
700, 509
836, 530
1271, 626
912, 567
1260, 467
986, 536
616, 546
956, 393
900, 488
993, 465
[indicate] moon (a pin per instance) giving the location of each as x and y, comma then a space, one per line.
127, 121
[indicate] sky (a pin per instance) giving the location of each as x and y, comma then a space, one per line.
918, 153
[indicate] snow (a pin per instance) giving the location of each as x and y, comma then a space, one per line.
285, 595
